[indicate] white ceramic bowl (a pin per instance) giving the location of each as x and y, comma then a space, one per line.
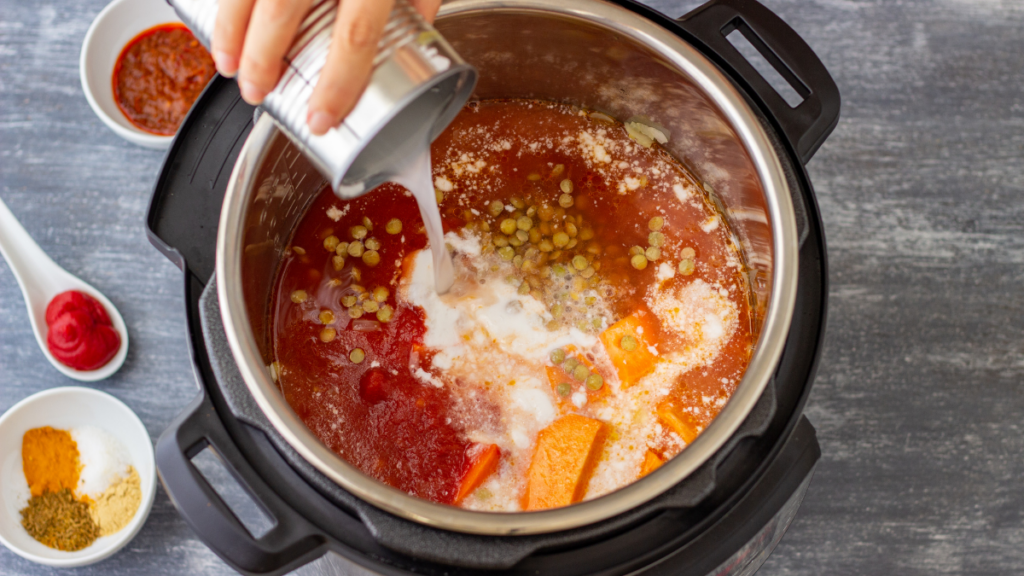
115, 26
65, 408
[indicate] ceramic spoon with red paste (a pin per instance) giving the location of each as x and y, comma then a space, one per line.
81, 333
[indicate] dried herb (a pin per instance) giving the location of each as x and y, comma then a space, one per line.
59, 521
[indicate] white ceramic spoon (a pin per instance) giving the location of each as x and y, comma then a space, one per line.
40, 279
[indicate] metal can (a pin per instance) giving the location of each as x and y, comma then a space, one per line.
417, 86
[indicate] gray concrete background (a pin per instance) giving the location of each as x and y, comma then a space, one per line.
919, 399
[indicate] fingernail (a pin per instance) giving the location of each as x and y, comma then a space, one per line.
226, 64
320, 122
250, 92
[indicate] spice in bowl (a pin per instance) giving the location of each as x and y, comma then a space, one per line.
82, 484
158, 76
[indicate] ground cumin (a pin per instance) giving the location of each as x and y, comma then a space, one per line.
49, 458
59, 521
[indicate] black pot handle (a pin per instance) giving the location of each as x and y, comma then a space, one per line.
289, 544
808, 124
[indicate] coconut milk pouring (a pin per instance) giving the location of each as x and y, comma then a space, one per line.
417, 86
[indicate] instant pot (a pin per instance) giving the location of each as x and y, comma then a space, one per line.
717, 508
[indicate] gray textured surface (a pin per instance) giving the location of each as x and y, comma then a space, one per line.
918, 402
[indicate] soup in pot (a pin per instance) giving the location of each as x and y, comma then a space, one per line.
599, 321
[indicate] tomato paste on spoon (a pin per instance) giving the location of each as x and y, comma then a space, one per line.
81, 335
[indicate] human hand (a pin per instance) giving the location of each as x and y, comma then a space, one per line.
251, 38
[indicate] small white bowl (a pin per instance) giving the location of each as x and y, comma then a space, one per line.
115, 26
66, 408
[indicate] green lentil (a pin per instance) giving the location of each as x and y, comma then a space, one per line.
299, 296
338, 262
517, 202
371, 258
394, 226
634, 250
570, 364
566, 186
372, 244
557, 356
495, 208
349, 301
656, 223
656, 239
653, 253
686, 267
371, 306
588, 272
381, 293
688, 253
580, 262
595, 382
355, 249
628, 343
639, 261
508, 226
357, 355
580, 372
565, 201
341, 249
385, 313
545, 245
438, 195
557, 310
506, 253
331, 243
563, 389
356, 312
560, 239
524, 223
358, 232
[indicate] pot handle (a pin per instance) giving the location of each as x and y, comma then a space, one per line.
806, 125
290, 543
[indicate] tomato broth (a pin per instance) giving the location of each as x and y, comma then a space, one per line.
598, 322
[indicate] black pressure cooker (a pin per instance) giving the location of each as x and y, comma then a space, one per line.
718, 508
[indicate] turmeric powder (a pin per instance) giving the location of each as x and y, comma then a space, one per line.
50, 460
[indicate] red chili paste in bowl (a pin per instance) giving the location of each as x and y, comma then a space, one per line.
81, 335
158, 76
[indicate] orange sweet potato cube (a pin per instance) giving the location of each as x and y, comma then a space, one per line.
680, 422
652, 461
632, 365
481, 468
567, 452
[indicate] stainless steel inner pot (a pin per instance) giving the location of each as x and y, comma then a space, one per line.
584, 52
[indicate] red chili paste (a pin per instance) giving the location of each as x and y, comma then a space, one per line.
81, 335
158, 76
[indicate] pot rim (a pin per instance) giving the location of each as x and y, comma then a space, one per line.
743, 120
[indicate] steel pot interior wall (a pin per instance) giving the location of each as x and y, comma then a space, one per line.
583, 52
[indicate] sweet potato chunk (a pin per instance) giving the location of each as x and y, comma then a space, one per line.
632, 365
567, 451
652, 461
485, 463
680, 422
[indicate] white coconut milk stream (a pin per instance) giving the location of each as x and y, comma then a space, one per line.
415, 176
